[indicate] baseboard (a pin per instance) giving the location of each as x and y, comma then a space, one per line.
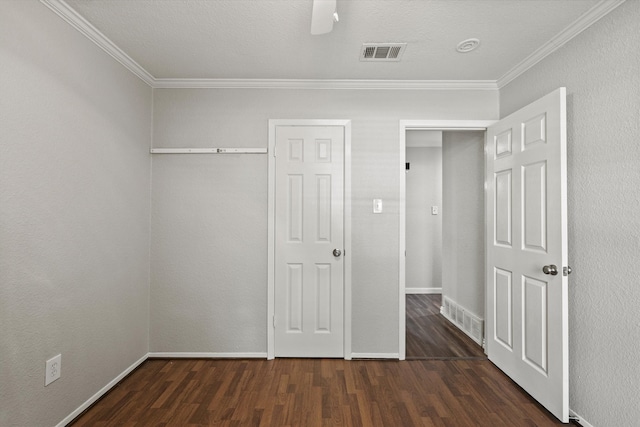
422, 291
579, 419
101, 392
463, 319
375, 356
193, 355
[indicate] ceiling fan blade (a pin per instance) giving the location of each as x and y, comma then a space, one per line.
322, 16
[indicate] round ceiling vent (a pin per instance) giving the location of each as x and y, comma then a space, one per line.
467, 45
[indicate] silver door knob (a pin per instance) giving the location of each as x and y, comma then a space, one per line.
550, 269
337, 253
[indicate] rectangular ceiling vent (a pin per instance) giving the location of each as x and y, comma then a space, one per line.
382, 51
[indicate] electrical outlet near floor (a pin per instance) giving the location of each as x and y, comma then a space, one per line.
52, 369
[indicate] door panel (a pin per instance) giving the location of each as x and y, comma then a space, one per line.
534, 131
534, 189
323, 193
294, 208
527, 325
294, 298
503, 144
323, 298
503, 307
309, 220
534, 323
503, 208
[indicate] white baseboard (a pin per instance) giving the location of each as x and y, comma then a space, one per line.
466, 321
375, 356
580, 420
422, 291
191, 355
101, 392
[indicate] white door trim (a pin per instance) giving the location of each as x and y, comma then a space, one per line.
271, 217
406, 125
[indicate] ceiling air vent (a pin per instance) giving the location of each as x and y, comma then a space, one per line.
382, 51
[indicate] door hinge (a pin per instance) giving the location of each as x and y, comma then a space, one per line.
274, 321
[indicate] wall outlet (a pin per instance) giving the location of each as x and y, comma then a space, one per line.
52, 369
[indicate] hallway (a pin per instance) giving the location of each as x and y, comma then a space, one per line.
431, 336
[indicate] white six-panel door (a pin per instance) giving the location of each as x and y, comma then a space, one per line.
527, 323
309, 241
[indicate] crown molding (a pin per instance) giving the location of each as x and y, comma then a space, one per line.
348, 84
66, 12
585, 21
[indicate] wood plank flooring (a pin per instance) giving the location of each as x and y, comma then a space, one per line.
431, 336
453, 386
316, 392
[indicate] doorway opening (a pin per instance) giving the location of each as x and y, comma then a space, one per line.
444, 278
442, 239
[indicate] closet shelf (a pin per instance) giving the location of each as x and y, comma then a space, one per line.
208, 151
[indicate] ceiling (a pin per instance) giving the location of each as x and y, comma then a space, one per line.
270, 39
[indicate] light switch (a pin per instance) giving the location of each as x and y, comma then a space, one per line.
377, 205
434, 210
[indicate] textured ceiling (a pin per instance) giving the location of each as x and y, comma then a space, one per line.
270, 39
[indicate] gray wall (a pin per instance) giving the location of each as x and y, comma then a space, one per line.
424, 230
209, 213
74, 215
463, 219
74, 209
601, 70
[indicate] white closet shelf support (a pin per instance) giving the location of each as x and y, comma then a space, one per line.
208, 151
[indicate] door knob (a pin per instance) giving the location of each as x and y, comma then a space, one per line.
337, 252
550, 269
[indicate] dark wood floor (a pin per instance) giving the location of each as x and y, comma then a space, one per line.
431, 336
316, 392
457, 387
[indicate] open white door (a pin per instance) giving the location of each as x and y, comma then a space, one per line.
527, 324
309, 241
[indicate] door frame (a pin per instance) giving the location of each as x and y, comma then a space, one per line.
271, 221
405, 125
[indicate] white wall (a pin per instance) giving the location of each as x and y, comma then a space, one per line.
601, 70
463, 219
74, 215
424, 230
209, 226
